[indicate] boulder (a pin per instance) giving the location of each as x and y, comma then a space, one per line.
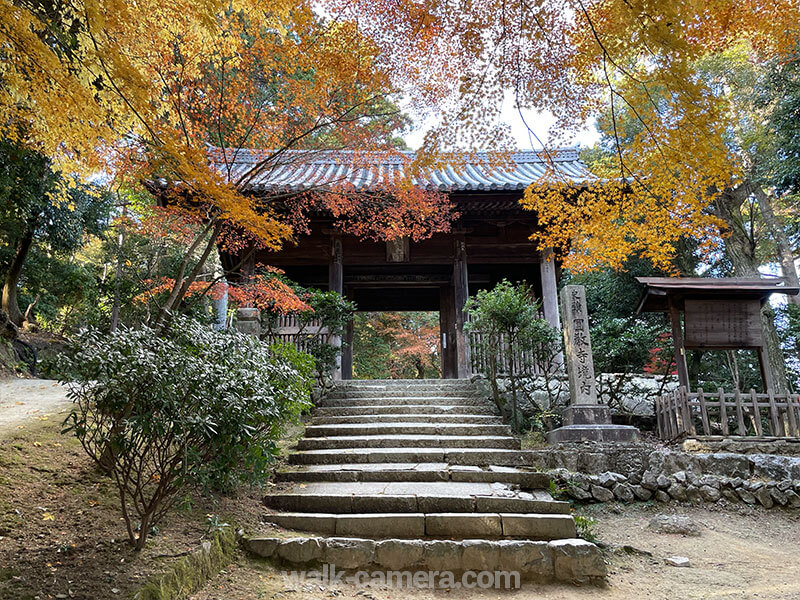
678, 492
602, 494
642, 493
709, 493
674, 524
623, 492
764, 497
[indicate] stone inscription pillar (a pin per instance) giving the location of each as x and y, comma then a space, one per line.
585, 419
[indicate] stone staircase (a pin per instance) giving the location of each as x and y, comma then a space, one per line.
420, 460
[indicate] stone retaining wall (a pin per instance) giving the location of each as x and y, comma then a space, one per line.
627, 473
567, 560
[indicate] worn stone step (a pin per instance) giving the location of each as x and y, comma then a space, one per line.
432, 525
455, 456
435, 500
384, 400
402, 383
564, 560
401, 440
406, 427
408, 418
414, 472
394, 392
388, 409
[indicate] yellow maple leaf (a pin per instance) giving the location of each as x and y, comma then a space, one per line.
48, 517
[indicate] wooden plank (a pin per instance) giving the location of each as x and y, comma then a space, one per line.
741, 428
793, 431
703, 411
676, 415
775, 417
763, 365
723, 412
677, 342
659, 426
723, 324
756, 413
688, 408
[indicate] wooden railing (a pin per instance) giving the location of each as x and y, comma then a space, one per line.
741, 414
525, 363
286, 329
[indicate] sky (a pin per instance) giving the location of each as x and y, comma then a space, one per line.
539, 123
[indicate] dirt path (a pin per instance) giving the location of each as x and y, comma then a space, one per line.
24, 399
744, 554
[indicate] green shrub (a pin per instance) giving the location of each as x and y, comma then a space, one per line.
515, 340
187, 406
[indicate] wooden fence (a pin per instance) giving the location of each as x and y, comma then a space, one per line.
741, 414
525, 363
286, 329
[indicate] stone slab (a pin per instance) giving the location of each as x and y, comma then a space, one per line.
463, 525
593, 433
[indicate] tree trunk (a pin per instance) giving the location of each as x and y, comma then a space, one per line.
118, 272
183, 281
740, 247
10, 303
781, 241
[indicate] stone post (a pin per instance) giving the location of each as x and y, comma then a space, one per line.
248, 320
585, 418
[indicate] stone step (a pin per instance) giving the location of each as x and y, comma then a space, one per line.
406, 427
403, 400
400, 440
564, 560
408, 418
430, 525
414, 472
454, 456
395, 503
411, 409
362, 383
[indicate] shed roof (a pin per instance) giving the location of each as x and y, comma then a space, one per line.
659, 289
303, 170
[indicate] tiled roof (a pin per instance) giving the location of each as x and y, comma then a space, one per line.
304, 170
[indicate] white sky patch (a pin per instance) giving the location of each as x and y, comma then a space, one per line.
530, 129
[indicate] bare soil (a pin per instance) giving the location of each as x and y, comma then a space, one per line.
61, 534
743, 553
24, 401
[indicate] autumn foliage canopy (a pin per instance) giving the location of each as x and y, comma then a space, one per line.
145, 90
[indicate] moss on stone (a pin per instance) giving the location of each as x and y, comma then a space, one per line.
192, 572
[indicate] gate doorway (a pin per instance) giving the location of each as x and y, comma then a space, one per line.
397, 345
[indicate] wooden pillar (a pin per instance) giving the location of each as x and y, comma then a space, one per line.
347, 349
460, 296
547, 273
764, 365
677, 341
447, 332
336, 284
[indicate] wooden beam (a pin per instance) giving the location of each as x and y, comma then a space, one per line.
336, 284
677, 341
460, 296
447, 332
547, 272
347, 347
